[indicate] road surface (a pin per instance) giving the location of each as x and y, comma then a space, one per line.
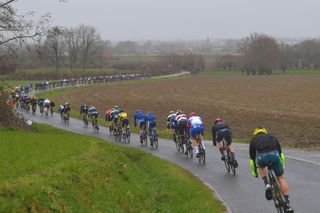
241, 193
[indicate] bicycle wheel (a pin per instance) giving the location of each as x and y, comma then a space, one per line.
203, 154
276, 193
226, 163
145, 138
177, 146
203, 157
128, 136
190, 150
232, 168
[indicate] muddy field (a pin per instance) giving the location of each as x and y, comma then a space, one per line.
288, 106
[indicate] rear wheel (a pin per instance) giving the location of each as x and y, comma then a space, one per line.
145, 139
128, 136
226, 162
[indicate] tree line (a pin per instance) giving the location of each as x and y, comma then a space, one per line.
261, 54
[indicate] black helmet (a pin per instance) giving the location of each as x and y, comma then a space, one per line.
179, 112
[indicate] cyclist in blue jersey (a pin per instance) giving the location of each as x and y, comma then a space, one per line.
151, 123
140, 117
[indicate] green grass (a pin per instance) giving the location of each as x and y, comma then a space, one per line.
21, 82
51, 170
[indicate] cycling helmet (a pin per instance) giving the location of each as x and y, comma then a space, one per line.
192, 114
171, 112
66, 103
218, 120
258, 130
138, 110
121, 110
179, 112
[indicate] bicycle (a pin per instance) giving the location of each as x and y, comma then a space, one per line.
144, 138
66, 117
228, 161
34, 109
95, 125
51, 110
189, 147
154, 138
126, 135
177, 143
85, 120
117, 132
111, 128
202, 151
41, 110
277, 196
46, 112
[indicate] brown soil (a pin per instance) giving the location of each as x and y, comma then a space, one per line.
288, 106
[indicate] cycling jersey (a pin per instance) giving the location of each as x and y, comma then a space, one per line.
196, 126
170, 118
151, 119
221, 130
46, 103
181, 118
123, 115
141, 119
108, 115
83, 109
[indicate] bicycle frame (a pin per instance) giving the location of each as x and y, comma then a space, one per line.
277, 195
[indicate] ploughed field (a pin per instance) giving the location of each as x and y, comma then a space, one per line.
288, 106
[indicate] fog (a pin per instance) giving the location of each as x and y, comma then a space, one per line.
183, 19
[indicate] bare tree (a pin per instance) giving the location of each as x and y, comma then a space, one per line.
15, 30
72, 40
55, 45
261, 54
88, 37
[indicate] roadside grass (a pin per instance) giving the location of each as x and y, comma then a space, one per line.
21, 82
51, 170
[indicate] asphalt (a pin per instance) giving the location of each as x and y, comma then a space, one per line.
241, 193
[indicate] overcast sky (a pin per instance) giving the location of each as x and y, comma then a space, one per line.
184, 19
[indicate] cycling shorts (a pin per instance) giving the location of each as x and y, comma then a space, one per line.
273, 158
152, 124
226, 134
195, 129
125, 122
142, 123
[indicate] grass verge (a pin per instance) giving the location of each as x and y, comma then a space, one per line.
51, 170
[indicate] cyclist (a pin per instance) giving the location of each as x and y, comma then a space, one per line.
194, 126
139, 115
93, 114
52, 105
34, 104
114, 115
124, 121
170, 124
264, 150
151, 124
61, 110
83, 109
108, 116
46, 104
84, 113
181, 124
40, 103
66, 110
221, 130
